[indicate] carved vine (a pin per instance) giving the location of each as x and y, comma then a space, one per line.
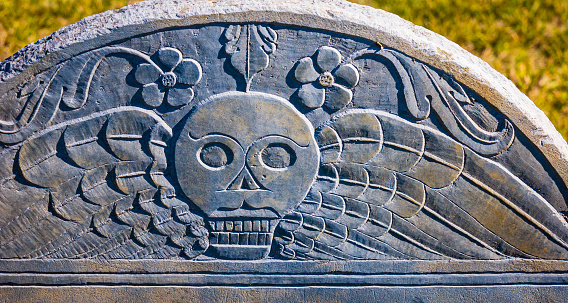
63, 87
426, 91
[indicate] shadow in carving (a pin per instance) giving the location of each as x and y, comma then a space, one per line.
251, 175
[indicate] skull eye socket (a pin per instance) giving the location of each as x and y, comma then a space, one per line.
277, 155
216, 155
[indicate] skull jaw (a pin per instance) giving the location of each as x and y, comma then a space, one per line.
241, 252
243, 221
242, 238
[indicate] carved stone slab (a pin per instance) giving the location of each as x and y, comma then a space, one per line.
292, 150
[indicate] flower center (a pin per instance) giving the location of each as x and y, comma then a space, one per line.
326, 79
169, 79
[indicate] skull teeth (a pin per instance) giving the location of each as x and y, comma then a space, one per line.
242, 225
241, 238
242, 231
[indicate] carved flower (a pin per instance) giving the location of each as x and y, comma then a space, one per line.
327, 82
172, 83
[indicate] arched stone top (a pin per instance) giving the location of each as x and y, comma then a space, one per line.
356, 20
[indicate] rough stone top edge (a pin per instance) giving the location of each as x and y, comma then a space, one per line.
357, 20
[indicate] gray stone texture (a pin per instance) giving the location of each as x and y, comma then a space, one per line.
273, 147
334, 15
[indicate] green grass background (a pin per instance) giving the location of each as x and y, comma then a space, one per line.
526, 40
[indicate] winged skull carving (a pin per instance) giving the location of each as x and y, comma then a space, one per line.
245, 175
365, 185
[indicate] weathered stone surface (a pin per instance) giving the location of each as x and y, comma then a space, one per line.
309, 143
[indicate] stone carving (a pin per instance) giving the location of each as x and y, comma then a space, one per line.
179, 73
249, 47
325, 82
385, 183
182, 146
247, 172
70, 84
111, 190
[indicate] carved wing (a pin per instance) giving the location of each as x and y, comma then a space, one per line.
388, 188
100, 188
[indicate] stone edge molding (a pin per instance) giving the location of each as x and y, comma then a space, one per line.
393, 273
356, 20
354, 281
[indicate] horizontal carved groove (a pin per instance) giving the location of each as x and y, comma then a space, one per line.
125, 137
77, 143
277, 279
441, 161
403, 147
39, 161
361, 140
353, 182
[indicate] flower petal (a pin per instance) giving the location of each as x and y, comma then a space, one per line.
327, 58
188, 72
146, 73
305, 71
337, 97
346, 75
151, 95
311, 96
179, 96
170, 57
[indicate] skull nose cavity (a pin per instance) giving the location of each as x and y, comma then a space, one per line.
244, 181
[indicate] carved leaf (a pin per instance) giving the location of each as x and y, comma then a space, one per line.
68, 84
249, 46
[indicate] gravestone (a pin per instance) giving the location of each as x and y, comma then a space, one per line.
252, 150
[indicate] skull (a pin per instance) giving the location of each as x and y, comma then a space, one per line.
245, 159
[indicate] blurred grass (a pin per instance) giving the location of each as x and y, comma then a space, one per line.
26, 21
526, 40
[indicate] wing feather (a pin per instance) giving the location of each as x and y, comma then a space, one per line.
394, 189
108, 192
356, 214
353, 180
83, 144
40, 155
409, 197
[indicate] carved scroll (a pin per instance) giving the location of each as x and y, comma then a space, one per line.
426, 91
